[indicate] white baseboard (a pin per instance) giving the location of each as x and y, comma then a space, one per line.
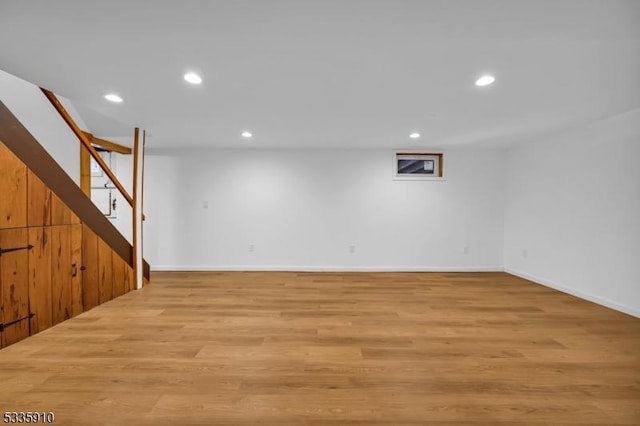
327, 268
582, 295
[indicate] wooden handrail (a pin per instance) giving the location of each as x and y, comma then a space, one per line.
87, 143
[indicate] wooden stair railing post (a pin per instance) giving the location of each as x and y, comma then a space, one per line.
87, 143
138, 157
142, 216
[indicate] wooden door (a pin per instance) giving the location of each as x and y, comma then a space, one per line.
40, 279
61, 272
130, 281
76, 270
14, 285
119, 276
90, 282
105, 268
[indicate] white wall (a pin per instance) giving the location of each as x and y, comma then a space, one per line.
572, 216
123, 169
27, 102
302, 209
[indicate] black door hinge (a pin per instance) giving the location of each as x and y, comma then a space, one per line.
3, 251
7, 324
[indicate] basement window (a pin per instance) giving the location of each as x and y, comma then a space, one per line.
410, 165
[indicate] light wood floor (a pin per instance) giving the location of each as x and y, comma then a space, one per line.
335, 349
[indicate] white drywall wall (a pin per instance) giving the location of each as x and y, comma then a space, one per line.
303, 209
572, 216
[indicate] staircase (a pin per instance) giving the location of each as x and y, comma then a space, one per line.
59, 255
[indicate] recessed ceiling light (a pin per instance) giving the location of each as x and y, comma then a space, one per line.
246, 134
414, 135
485, 80
192, 78
113, 97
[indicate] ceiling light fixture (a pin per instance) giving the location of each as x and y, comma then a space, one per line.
112, 97
414, 135
246, 134
192, 78
485, 80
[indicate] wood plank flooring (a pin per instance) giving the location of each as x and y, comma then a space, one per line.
332, 349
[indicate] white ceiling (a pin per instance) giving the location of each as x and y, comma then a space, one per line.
330, 73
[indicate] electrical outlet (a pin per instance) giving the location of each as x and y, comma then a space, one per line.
465, 250
252, 248
352, 249
205, 204
524, 253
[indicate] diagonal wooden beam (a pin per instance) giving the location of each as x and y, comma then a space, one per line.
87, 143
108, 145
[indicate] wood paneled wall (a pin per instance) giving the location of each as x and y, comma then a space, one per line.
61, 269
